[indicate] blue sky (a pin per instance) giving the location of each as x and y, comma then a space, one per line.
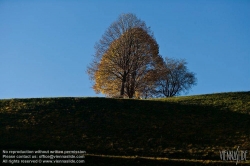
46, 45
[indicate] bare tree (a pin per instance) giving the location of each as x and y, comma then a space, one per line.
174, 78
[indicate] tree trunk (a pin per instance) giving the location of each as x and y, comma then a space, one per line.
123, 84
122, 88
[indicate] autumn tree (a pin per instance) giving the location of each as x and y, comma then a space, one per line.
125, 57
126, 65
173, 78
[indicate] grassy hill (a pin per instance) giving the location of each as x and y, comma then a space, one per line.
192, 127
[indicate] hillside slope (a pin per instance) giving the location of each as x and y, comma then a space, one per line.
194, 127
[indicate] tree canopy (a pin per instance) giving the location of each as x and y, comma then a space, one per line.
127, 63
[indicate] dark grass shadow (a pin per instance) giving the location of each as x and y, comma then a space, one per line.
124, 127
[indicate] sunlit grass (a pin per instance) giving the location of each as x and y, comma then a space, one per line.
234, 101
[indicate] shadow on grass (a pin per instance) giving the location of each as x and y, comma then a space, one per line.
122, 127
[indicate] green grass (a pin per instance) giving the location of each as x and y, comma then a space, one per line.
237, 101
192, 127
